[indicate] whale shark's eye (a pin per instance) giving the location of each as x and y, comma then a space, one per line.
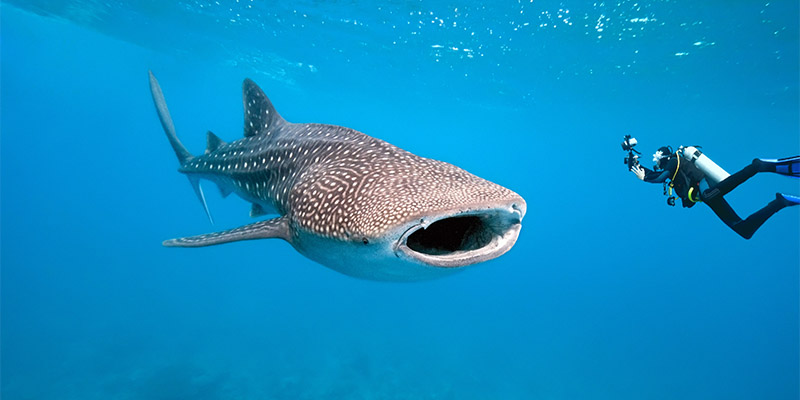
365, 240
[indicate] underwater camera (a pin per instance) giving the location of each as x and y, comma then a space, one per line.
628, 143
632, 159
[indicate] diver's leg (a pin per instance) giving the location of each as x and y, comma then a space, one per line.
733, 181
745, 228
725, 212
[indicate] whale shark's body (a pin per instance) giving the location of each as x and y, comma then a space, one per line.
349, 201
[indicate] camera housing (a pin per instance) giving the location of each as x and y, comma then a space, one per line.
628, 144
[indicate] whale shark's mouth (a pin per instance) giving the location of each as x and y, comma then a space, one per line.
464, 238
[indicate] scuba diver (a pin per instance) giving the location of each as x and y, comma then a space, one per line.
695, 178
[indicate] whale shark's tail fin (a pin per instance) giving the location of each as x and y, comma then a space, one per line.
180, 150
789, 166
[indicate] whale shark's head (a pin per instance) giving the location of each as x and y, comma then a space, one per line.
406, 218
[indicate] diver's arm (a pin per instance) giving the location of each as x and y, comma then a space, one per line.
655, 177
638, 171
660, 176
648, 175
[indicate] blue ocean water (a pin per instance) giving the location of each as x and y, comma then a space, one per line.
608, 294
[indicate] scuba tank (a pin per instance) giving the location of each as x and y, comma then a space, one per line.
714, 173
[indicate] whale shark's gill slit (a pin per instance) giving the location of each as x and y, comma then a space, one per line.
450, 235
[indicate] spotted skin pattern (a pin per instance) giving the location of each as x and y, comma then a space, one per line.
331, 180
330, 185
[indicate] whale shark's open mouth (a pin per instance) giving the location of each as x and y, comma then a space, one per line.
464, 238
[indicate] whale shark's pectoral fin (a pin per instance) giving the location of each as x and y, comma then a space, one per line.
271, 228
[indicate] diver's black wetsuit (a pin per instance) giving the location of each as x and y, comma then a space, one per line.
690, 177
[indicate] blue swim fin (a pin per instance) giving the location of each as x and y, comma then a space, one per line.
789, 166
788, 200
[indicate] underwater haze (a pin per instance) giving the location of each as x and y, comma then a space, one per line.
609, 293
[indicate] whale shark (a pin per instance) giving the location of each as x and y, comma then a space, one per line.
349, 201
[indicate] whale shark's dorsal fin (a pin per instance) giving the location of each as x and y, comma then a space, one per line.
260, 116
213, 142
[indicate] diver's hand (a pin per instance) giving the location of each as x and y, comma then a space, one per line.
638, 171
